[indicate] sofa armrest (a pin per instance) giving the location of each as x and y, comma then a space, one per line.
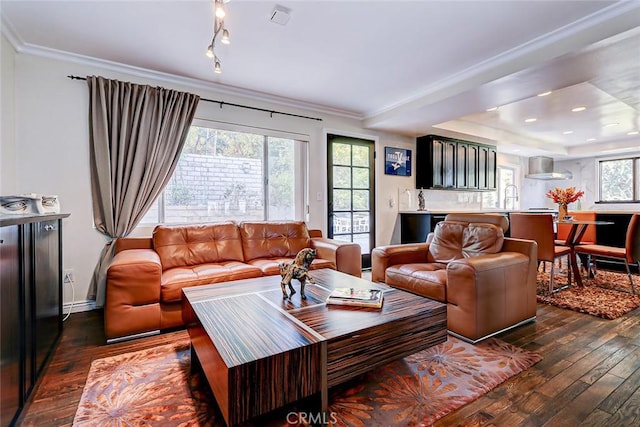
383, 257
346, 256
133, 286
125, 243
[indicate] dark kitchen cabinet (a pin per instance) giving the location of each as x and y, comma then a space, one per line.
31, 317
450, 164
487, 165
441, 155
10, 384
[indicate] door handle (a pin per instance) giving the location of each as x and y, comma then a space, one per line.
49, 227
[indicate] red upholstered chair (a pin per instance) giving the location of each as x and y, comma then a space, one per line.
589, 236
539, 227
630, 253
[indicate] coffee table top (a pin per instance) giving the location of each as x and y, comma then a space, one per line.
248, 320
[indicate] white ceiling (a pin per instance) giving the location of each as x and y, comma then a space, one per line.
409, 67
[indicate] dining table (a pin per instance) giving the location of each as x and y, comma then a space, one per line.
578, 228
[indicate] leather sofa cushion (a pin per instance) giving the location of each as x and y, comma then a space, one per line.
273, 239
447, 241
182, 246
456, 240
481, 239
270, 266
174, 279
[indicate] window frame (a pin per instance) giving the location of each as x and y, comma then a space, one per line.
302, 168
635, 179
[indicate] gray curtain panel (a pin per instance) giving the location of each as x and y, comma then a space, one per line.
136, 133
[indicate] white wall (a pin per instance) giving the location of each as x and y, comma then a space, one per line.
7, 153
52, 149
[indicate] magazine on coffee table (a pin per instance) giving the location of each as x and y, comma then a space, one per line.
356, 296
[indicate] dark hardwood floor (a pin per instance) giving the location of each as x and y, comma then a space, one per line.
590, 374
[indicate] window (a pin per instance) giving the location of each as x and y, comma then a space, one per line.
619, 180
231, 175
506, 194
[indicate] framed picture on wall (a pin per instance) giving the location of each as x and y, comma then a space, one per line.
397, 161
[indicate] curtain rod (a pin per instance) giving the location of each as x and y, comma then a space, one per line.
221, 103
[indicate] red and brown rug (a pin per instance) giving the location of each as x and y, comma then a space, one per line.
155, 388
607, 295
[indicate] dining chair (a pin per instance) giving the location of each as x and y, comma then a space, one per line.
630, 253
588, 238
539, 227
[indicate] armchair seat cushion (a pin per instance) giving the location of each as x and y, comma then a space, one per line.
426, 279
174, 279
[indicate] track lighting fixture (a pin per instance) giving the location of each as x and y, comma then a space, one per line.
218, 27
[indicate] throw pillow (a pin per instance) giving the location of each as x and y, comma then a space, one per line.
480, 239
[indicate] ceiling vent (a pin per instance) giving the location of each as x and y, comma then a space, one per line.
541, 167
280, 15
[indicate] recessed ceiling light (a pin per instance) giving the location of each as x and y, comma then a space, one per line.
531, 120
634, 132
591, 139
545, 93
577, 109
492, 109
567, 132
608, 125
516, 150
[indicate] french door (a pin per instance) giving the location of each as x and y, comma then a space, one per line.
350, 164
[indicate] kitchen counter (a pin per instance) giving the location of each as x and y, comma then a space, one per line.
416, 225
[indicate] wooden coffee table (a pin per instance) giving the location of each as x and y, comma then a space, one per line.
260, 352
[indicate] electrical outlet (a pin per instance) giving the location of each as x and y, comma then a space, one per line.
68, 276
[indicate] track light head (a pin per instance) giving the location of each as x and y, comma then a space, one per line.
217, 68
225, 37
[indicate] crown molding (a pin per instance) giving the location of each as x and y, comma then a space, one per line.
623, 14
29, 49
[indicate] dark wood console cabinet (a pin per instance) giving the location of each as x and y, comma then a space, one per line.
444, 163
31, 304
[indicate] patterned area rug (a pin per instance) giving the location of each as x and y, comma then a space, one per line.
155, 388
608, 295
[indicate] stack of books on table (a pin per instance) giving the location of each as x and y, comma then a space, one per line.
356, 296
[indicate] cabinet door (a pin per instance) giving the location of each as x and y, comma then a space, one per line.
462, 166
449, 164
438, 162
483, 163
472, 166
425, 157
9, 323
492, 165
47, 289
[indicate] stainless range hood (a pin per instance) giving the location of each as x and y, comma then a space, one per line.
541, 167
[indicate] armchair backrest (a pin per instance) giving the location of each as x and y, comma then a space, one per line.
489, 218
589, 236
455, 240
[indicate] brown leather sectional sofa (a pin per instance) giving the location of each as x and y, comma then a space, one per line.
488, 281
146, 276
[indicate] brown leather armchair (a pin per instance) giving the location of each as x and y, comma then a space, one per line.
488, 281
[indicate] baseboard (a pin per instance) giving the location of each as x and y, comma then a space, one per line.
78, 306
